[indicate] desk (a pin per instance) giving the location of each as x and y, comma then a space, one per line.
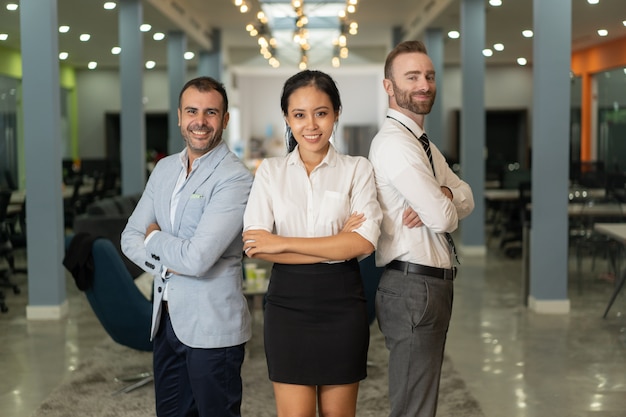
596, 210
18, 196
512, 194
615, 231
608, 211
501, 194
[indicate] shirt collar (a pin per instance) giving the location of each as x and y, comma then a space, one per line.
184, 158
330, 159
407, 121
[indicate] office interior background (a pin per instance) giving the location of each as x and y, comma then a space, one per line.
213, 37
90, 98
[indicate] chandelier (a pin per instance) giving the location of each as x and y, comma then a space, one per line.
301, 30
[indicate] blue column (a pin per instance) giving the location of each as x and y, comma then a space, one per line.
552, 21
210, 63
433, 40
42, 144
473, 120
133, 129
177, 76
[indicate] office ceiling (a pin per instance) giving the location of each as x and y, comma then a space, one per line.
375, 18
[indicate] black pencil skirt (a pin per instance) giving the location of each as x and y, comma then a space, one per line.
316, 328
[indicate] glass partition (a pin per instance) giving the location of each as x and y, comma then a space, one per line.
611, 145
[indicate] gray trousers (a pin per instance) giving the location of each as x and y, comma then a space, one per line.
413, 313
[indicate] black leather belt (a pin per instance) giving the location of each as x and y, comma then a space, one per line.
431, 271
165, 307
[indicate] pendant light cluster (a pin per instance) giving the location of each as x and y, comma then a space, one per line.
307, 20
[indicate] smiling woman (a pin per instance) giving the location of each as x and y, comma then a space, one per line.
313, 213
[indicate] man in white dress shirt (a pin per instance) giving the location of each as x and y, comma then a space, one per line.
422, 201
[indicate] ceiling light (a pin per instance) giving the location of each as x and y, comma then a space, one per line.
454, 34
593, 1
624, 22
189, 55
603, 32
150, 64
109, 5
116, 50
158, 36
522, 61
85, 37
12, 6
275, 63
527, 33
3, 36
64, 29
495, 3
487, 52
145, 27
92, 65
63, 55
498, 47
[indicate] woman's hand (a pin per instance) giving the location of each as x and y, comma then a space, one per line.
354, 222
261, 241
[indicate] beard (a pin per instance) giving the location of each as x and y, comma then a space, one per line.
201, 147
404, 100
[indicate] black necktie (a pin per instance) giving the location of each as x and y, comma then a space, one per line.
426, 144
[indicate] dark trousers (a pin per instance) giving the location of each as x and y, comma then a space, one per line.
195, 382
413, 313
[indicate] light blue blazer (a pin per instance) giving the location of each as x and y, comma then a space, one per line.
205, 301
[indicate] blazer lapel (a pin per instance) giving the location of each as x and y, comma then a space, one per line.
204, 171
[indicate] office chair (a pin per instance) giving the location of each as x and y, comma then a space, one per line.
588, 242
519, 218
6, 250
124, 312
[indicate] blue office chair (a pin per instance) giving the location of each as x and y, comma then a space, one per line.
124, 312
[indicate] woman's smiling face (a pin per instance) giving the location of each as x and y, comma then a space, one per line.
311, 118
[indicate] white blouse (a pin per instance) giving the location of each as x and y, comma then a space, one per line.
285, 201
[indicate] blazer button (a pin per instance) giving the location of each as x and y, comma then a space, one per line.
149, 265
160, 289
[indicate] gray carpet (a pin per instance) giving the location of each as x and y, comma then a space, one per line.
87, 392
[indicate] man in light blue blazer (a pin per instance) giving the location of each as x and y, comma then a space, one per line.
186, 231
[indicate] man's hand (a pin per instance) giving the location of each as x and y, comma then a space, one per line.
447, 192
151, 228
411, 219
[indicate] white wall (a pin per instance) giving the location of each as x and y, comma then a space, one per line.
257, 96
98, 93
506, 88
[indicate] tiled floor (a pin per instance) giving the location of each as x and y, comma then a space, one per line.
516, 363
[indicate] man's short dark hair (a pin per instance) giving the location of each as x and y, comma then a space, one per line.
402, 48
205, 84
